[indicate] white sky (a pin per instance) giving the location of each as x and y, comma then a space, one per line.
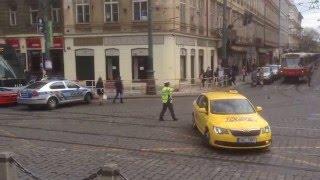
311, 17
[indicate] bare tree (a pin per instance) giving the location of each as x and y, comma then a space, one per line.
310, 41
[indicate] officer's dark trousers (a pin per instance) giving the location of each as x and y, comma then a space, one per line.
164, 109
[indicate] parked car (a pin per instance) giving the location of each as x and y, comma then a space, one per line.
275, 69
267, 74
8, 96
52, 93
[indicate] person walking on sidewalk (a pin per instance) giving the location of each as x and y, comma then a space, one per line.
167, 100
244, 73
119, 90
100, 90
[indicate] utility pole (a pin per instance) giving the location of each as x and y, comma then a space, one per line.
151, 85
45, 5
279, 33
224, 35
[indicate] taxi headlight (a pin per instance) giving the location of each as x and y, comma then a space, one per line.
219, 130
266, 129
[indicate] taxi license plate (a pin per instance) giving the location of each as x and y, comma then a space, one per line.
247, 140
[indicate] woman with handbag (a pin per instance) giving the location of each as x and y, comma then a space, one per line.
100, 90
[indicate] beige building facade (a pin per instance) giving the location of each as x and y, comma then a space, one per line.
295, 34
108, 38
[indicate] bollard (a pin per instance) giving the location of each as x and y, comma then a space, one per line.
8, 170
110, 172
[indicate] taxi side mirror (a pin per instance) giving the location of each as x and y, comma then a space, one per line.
259, 109
203, 110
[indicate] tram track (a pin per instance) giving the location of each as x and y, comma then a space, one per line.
274, 126
217, 156
197, 141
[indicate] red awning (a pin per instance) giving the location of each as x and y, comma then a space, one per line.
58, 42
33, 43
14, 42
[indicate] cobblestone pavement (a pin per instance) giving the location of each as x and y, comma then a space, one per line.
72, 142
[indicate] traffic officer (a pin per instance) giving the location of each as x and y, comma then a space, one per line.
166, 97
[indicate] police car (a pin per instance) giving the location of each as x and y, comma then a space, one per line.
52, 93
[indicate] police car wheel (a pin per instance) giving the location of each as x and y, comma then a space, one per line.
87, 98
52, 103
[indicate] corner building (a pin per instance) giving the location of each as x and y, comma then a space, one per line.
107, 38
19, 28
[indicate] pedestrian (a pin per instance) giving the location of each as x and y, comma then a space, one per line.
119, 90
167, 101
44, 75
209, 75
260, 76
100, 90
309, 78
254, 77
244, 73
202, 78
233, 75
27, 75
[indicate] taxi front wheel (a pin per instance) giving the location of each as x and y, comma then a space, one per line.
194, 122
207, 137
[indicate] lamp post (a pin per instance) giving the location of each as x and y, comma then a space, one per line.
151, 89
224, 35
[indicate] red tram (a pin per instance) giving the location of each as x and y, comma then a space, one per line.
297, 65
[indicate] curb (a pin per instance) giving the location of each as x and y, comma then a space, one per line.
177, 94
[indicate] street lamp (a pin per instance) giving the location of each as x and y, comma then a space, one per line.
151, 85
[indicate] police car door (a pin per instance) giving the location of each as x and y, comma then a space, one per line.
59, 90
75, 90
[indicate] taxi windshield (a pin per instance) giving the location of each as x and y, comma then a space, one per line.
231, 106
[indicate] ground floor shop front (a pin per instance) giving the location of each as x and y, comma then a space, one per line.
30, 54
176, 58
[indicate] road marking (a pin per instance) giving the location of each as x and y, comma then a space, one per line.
296, 147
297, 160
181, 134
169, 149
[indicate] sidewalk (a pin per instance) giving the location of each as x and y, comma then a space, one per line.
183, 91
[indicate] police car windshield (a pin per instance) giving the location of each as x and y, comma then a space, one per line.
36, 85
231, 106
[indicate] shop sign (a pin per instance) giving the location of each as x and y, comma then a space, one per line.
33, 43
58, 43
14, 42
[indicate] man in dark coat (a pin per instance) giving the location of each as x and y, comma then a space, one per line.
119, 90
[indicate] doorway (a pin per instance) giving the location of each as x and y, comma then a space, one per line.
183, 68
112, 67
139, 67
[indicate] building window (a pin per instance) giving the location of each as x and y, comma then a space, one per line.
212, 14
183, 11
192, 10
83, 11
13, 17
140, 10
111, 10
34, 16
55, 13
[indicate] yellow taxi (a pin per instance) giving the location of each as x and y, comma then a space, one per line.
229, 120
